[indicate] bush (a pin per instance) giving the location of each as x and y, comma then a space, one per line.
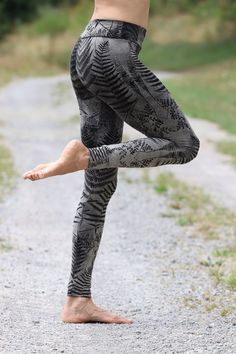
52, 22
14, 12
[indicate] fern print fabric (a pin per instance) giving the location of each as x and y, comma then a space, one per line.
113, 86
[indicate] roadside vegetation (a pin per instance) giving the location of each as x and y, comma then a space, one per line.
7, 175
192, 208
228, 148
7, 171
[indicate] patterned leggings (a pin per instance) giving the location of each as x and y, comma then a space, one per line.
112, 86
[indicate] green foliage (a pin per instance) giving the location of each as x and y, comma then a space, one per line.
228, 148
14, 12
223, 10
170, 7
185, 55
52, 22
209, 93
7, 170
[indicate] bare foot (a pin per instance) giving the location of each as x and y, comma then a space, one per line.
82, 310
74, 157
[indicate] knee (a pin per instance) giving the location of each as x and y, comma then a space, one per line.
191, 149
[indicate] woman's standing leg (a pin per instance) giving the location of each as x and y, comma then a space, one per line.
99, 186
99, 125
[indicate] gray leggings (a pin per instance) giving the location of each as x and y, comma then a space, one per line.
113, 86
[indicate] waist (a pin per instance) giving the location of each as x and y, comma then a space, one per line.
114, 29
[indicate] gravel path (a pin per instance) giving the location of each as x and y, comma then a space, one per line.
147, 267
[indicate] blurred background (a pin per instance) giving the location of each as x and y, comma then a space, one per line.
197, 37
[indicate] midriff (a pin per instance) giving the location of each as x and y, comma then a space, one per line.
133, 11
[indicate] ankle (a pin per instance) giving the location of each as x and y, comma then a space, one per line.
77, 300
85, 160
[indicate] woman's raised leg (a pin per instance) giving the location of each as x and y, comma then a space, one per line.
141, 100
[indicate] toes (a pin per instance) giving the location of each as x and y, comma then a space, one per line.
122, 320
33, 176
38, 172
41, 174
29, 174
119, 319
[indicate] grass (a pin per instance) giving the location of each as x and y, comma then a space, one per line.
224, 269
228, 148
5, 246
7, 171
192, 207
227, 311
209, 303
209, 93
183, 56
7, 174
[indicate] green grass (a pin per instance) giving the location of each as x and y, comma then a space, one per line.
227, 311
228, 148
182, 56
227, 265
208, 93
226, 252
7, 171
5, 246
7, 174
192, 207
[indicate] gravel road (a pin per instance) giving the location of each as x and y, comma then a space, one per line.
146, 269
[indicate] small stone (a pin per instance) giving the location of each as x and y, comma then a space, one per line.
211, 325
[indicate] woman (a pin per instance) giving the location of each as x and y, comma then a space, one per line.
112, 87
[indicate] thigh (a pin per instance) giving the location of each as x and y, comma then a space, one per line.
99, 123
117, 76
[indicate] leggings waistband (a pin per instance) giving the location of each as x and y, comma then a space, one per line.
114, 29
